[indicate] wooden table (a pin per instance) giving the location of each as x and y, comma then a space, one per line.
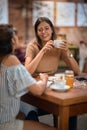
62, 104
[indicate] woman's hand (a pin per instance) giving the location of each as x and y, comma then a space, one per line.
43, 76
48, 46
64, 46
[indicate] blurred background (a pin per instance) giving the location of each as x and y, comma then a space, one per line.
68, 16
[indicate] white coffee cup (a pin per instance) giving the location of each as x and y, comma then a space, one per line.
59, 76
57, 43
60, 84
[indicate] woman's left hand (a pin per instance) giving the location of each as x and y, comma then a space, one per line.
64, 46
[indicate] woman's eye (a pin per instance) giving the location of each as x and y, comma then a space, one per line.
45, 29
40, 30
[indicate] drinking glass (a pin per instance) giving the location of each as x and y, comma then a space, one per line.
69, 77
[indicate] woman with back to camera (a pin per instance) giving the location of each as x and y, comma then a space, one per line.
15, 81
43, 56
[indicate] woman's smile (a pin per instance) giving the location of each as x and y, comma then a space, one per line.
44, 31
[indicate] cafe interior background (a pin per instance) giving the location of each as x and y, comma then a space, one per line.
68, 16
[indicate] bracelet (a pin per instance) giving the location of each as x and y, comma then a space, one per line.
70, 55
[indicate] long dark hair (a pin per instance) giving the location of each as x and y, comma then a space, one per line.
40, 20
6, 34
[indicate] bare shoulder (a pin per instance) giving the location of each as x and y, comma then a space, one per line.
11, 60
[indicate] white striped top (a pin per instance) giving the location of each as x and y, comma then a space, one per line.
13, 83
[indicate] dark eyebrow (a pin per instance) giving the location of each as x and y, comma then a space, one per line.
44, 27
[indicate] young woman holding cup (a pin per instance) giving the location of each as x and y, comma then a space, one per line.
43, 56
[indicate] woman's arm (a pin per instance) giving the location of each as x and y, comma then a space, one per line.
32, 63
72, 64
69, 60
40, 86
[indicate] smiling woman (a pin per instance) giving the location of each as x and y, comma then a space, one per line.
43, 56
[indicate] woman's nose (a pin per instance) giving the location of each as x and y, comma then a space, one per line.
43, 31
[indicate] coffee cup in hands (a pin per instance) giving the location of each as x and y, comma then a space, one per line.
57, 43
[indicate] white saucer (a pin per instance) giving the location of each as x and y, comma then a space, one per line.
61, 89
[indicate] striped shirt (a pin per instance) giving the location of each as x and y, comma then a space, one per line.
14, 81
